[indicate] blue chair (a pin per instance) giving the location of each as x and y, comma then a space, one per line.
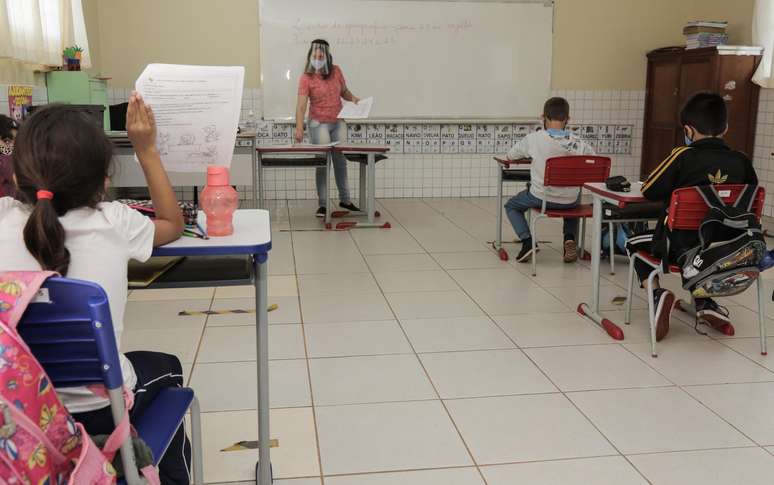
70, 332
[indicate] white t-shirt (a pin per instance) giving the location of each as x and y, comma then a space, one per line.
101, 242
540, 146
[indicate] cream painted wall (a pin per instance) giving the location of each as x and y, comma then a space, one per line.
598, 44
131, 34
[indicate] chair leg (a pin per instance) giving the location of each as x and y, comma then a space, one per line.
196, 442
582, 239
761, 316
652, 312
612, 247
533, 230
630, 293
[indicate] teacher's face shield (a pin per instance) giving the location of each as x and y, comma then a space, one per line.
319, 60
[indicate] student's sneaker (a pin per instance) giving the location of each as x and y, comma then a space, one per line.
663, 302
570, 251
710, 313
349, 206
320, 212
526, 251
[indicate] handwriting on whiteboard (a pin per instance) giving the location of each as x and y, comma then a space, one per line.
368, 33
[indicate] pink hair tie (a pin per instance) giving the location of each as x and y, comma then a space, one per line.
45, 194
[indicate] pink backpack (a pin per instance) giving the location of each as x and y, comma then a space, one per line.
40, 443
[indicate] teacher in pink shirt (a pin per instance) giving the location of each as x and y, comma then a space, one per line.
322, 86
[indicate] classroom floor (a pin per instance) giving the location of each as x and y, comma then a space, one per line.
414, 356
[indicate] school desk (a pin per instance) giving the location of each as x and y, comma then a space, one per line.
601, 195
293, 156
507, 171
367, 156
128, 173
251, 238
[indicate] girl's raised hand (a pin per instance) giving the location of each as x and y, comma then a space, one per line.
140, 124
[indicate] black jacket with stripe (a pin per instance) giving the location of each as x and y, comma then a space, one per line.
706, 161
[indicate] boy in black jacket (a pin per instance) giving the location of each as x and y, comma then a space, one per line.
705, 159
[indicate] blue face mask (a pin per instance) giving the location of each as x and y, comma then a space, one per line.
688, 141
557, 132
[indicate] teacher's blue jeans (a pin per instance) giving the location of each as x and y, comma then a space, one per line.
524, 201
323, 133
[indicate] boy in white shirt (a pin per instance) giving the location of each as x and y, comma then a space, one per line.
553, 141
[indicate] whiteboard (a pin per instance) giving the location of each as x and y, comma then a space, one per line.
418, 59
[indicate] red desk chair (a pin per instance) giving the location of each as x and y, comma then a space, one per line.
687, 209
569, 171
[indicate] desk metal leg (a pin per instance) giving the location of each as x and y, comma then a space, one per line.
328, 206
592, 312
262, 345
363, 172
254, 172
498, 242
258, 185
371, 188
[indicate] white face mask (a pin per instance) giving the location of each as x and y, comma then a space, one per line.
318, 63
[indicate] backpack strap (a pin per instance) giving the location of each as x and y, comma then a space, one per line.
746, 197
710, 196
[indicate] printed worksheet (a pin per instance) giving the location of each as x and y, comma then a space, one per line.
197, 112
359, 111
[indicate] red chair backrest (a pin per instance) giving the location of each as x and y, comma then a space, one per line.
576, 170
687, 207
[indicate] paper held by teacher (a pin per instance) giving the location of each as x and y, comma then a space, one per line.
197, 112
359, 111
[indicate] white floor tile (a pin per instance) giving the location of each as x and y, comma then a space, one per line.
233, 344
470, 260
701, 362
572, 296
341, 307
456, 333
356, 338
591, 367
287, 311
386, 241
172, 294
514, 428
383, 263
656, 420
748, 407
543, 330
748, 466
388, 437
751, 348
154, 315
350, 283
447, 476
232, 386
608, 470
279, 285
410, 281
492, 280
378, 378
296, 455
746, 323
525, 300
176, 341
484, 373
432, 304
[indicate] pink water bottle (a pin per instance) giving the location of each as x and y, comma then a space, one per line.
219, 200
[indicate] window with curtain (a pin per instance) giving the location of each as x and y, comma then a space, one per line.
36, 31
763, 35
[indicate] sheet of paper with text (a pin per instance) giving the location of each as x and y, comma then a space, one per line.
197, 113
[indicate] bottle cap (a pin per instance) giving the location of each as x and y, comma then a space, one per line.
217, 175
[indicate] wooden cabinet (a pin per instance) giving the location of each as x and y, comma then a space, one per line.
674, 75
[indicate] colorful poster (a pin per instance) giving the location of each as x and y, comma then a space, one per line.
19, 101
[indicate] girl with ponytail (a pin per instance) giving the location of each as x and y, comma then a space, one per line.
59, 221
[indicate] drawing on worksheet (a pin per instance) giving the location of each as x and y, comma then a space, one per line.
197, 111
